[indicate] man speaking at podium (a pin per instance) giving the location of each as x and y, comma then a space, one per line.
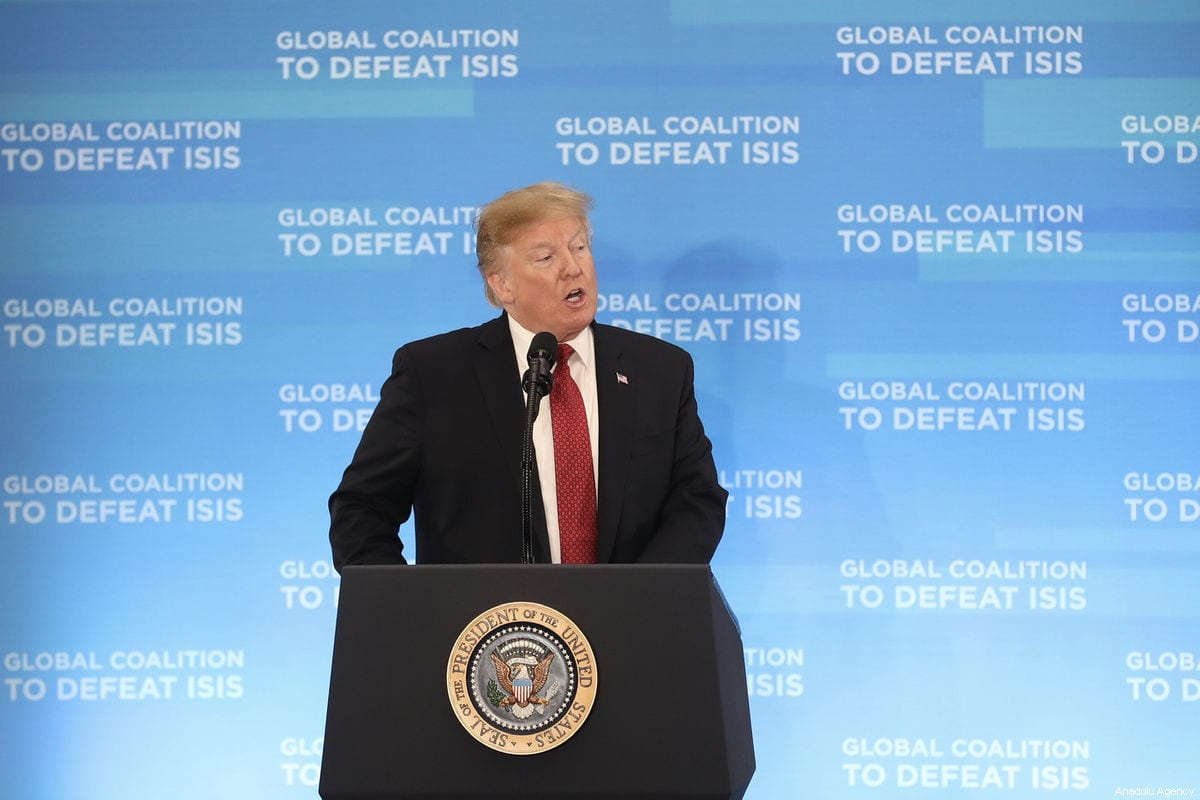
624, 468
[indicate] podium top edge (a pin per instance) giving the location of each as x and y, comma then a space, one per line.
486, 568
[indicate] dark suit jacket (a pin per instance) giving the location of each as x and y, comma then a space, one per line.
445, 443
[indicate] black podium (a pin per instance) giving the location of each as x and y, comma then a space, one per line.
669, 717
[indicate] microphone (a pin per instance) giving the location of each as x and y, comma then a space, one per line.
543, 350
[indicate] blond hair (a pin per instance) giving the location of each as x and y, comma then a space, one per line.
500, 220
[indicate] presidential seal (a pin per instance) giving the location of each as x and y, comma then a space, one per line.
521, 678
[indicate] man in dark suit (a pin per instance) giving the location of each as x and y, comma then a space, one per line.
632, 481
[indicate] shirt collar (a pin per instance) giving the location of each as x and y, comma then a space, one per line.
583, 344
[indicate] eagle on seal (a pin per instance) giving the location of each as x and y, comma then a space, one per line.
520, 682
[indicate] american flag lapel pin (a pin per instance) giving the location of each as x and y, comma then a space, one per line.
622, 379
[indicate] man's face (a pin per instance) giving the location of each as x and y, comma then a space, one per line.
548, 280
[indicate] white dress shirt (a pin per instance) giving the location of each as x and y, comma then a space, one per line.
583, 372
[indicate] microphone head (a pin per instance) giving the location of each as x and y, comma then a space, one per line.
544, 346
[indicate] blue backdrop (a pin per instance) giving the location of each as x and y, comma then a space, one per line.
938, 265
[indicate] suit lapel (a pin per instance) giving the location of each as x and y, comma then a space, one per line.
617, 402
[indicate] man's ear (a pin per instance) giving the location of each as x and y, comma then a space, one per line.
499, 286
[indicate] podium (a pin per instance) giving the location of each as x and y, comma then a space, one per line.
653, 702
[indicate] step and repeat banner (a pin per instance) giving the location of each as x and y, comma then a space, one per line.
938, 265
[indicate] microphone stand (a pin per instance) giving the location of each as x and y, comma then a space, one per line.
537, 381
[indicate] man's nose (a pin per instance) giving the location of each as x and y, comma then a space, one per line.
572, 264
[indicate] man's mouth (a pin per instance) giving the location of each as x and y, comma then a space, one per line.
574, 296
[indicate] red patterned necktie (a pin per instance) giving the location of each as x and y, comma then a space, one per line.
574, 479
